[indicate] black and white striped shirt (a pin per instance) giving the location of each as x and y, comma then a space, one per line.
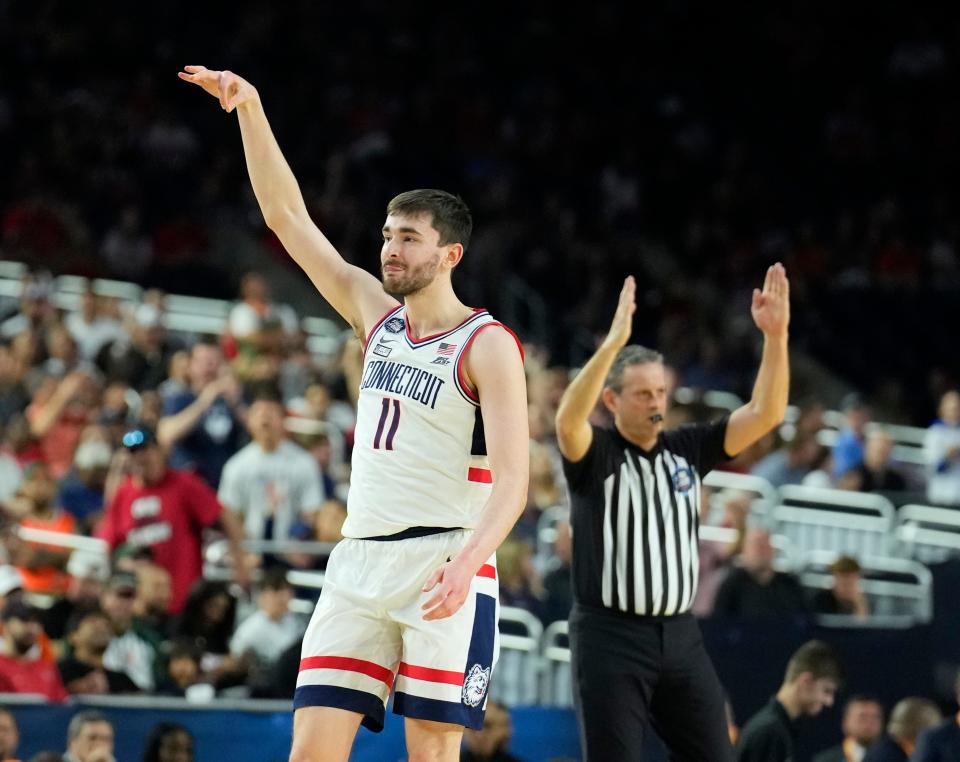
635, 516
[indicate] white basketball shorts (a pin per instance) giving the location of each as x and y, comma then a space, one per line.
367, 635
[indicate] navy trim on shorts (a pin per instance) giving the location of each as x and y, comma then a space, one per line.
361, 702
411, 533
435, 710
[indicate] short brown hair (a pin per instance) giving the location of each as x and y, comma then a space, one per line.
845, 565
450, 215
817, 658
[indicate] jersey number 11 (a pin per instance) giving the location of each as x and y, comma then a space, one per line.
384, 415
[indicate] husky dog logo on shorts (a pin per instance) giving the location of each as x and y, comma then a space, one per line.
475, 686
394, 325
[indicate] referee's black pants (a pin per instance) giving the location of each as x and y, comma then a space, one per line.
632, 672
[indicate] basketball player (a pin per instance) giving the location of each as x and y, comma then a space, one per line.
440, 468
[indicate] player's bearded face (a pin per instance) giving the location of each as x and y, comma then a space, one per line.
409, 279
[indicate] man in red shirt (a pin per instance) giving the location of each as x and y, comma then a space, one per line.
163, 511
21, 668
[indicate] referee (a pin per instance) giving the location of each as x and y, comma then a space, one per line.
638, 657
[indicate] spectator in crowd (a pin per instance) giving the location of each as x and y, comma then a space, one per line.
89, 634
272, 628
557, 583
207, 622
87, 571
909, 718
848, 450
9, 735
154, 594
941, 743
791, 463
42, 565
89, 738
131, 650
717, 558
178, 375
875, 474
811, 681
183, 670
754, 590
60, 410
330, 518
164, 511
82, 489
22, 670
520, 585
202, 425
862, 726
13, 394
90, 328
490, 743
36, 311
941, 451
169, 742
258, 324
272, 485
846, 596
63, 355
141, 359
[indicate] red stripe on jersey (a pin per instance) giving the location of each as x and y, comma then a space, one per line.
482, 475
488, 570
462, 381
347, 664
431, 675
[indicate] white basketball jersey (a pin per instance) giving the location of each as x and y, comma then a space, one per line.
419, 455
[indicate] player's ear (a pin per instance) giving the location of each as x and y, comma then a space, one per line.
453, 255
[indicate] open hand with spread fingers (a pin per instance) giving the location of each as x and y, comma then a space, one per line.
231, 90
771, 307
622, 324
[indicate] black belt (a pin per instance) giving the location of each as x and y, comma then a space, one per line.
411, 533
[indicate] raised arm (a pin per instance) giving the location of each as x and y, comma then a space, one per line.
766, 408
351, 291
574, 434
495, 367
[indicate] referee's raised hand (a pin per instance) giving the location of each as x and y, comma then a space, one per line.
771, 307
622, 324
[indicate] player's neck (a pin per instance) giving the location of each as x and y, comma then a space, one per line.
434, 309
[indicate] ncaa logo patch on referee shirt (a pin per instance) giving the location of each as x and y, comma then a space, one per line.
475, 686
394, 325
682, 479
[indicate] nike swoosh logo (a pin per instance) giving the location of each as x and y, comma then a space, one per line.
387, 341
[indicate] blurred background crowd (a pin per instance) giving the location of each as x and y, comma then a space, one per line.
672, 151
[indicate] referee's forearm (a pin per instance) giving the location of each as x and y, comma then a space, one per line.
581, 396
772, 388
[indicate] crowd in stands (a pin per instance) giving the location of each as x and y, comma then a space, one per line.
158, 442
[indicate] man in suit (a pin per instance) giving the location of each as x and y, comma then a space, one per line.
909, 718
862, 725
942, 743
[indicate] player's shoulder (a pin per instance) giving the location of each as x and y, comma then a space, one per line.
495, 338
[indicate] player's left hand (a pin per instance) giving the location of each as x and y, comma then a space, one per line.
771, 307
454, 580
